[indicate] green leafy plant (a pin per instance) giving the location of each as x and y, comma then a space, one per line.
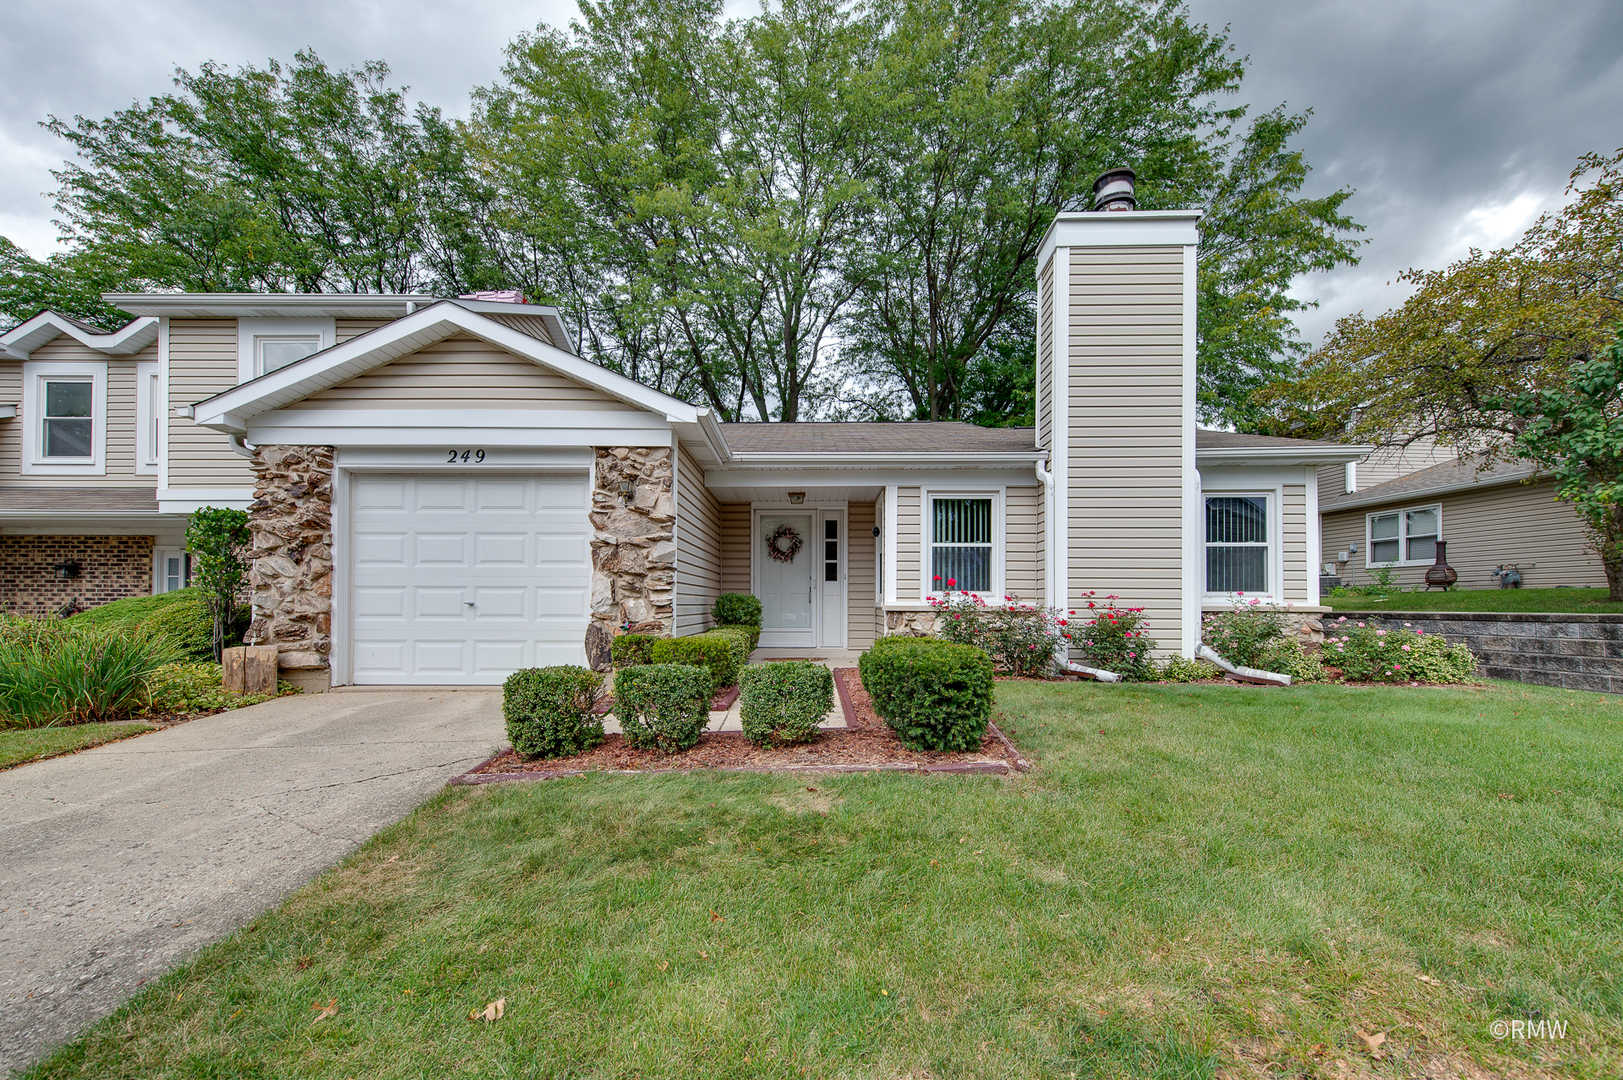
743, 639
1021, 638
190, 624
1115, 639
718, 653
629, 650
736, 609
550, 712
1243, 633
783, 702
753, 634
1183, 669
218, 540
82, 675
1289, 658
934, 694
22, 631
662, 706
1368, 653
188, 687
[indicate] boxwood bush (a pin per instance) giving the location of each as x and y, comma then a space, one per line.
784, 701
662, 706
935, 695
737, 609
743, 639
718, 653
629, 650
751, 633
549, 711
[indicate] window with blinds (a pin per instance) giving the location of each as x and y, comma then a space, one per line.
961, 544
1237, 544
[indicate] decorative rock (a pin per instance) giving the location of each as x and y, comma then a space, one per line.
632, 544
291, 576
599, 647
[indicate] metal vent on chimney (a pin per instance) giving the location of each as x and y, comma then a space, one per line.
1114, 191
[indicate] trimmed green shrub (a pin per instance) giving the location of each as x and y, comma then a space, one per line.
629, 650
662, 706
753, 632
933, 694
736, 609
1289, 658
743, 639
784, 701
549, 711
189, 624
717, 652
87, 674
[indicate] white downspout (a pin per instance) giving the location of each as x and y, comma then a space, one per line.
1047, 479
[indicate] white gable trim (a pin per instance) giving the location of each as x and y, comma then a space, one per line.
47, 326
230, 412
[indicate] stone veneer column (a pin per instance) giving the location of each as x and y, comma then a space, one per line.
633, 547
291, 523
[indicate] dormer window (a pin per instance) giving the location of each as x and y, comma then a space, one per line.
274, 352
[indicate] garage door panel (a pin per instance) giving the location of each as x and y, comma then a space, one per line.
518, 546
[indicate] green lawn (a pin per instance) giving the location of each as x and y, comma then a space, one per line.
1195, 879
1566, 601
18, 747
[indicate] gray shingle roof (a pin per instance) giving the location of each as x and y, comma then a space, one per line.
110, 499
1450, 475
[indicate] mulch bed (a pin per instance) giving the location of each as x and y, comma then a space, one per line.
866, 744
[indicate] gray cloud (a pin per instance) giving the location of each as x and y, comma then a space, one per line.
1457, 121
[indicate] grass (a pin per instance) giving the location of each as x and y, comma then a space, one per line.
1196, 879
19, 746
1564, 601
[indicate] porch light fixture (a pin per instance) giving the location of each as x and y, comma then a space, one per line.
797, 497
62, 571
625, 488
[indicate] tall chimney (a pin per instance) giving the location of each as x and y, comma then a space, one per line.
1114, 191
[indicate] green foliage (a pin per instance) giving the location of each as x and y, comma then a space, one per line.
935, 695
30, 631
1242, 634
717, 653
92, 673
662, 706
182, 688
550, 711
1022, 639
743, 639
1183, 669
29, 286
737, 609
1114, 639
629, 650
1287, 657
218, 540
190, 625
1368, 653
783, 702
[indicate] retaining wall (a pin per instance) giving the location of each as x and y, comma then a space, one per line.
1578, 652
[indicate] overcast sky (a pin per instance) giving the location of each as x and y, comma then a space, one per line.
1457, 121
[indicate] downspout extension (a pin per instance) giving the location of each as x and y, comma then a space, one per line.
240, 446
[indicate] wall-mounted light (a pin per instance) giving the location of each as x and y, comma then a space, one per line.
62, 571
797, 497
626, 488
876, 531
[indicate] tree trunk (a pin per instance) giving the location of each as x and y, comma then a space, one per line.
1609, 545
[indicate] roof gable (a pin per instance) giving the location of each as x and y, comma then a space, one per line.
47, 326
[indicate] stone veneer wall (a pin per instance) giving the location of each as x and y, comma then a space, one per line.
110, 568
291, 523
1577, 652
633, 547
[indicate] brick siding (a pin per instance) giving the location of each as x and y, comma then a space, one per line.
110, 568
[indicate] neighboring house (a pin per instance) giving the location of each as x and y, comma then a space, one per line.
443, 491
1488, 518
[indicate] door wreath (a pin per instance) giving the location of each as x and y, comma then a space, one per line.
784, 544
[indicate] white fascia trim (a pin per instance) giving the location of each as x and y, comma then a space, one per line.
812, 478
185, 500
1289, 455
47, 326
1135, 228
1194, 503
228, 412
35, 374
1022, 459
8, 412
465, 427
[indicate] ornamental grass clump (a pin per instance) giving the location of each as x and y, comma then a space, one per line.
783, 702
1115, 639
1022, 638
1375, 654
551, 711
662, 706
71, 675
934, 694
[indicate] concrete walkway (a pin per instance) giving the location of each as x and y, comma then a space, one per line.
118, 863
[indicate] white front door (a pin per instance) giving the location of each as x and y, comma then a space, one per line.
460, 579
786, 584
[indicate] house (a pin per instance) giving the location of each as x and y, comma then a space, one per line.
1489, 517
444, 491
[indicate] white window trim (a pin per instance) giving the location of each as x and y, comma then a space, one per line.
1000, 531
249, 331
35, 375
148, 415
1276, 540
1403, 536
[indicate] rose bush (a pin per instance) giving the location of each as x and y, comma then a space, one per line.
1021, 638
1373, 654
1115, 639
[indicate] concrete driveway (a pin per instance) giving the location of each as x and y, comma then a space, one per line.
118, 863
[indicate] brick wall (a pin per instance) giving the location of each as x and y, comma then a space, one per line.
1578, 652
110, 568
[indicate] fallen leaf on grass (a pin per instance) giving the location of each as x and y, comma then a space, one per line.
324, 1012
490, 1013
716, 918
664, 964
1506, 795
1374, 1042
703, 955
1428, 979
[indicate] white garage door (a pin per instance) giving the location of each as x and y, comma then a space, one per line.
467, 579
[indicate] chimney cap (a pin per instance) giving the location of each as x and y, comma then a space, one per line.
1115, 190
499, 296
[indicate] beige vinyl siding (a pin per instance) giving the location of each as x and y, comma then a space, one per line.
1293, 542
860, 546
119, 423
1124, 459
202, 363
734, 522
462, 373
1020, 541
1045, 352
1506, 523
698, 548
344, 329
908, 524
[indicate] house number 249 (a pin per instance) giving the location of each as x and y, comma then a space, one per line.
455, 457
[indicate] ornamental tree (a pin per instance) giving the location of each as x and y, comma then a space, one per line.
218, 540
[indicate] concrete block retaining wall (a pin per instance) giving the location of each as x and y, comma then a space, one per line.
1578, 652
